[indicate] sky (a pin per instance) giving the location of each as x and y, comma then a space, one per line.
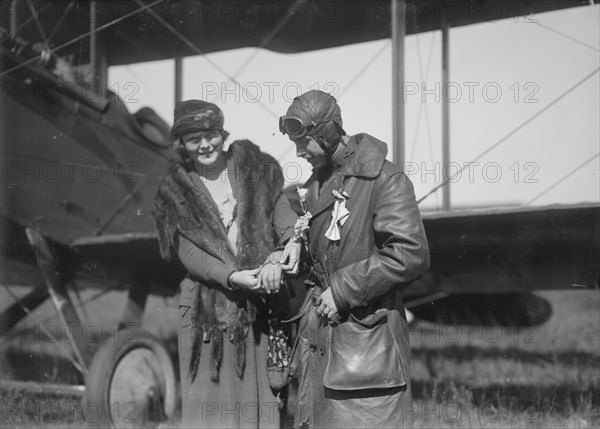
510, 95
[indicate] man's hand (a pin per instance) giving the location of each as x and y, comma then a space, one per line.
270, 277
327, 307
291, 258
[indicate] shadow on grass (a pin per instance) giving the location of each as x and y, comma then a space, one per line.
28, 409
563, 398
45, 360
507, 309
19, 364
470, 353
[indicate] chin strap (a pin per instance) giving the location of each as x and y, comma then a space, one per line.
322, 140
328, 151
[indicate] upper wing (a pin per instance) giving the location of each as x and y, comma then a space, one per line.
166, 29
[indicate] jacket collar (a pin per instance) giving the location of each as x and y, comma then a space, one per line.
364, 157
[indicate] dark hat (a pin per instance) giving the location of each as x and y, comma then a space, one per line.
196, 115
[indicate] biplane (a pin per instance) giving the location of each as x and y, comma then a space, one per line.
80, 172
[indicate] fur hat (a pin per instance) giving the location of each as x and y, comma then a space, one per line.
197, 115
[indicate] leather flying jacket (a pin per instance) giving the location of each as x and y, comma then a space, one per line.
382, 246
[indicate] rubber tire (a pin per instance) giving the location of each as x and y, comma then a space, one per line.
102, 370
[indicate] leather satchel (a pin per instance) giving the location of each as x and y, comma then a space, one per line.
364, 354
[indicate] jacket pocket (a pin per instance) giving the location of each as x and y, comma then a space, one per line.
364, 354
301, 318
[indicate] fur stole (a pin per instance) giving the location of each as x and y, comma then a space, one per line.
180, 207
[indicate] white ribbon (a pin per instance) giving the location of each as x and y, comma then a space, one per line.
339, 215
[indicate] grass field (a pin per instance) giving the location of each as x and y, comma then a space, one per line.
463, 375
499, 376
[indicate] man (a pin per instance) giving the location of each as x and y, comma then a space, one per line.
366, 242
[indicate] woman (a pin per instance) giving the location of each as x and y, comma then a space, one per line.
224, 215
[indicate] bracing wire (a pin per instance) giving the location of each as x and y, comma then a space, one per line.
34, 14
423, 106
266, 40
198, 51
346, 87
85, 301
366, 66
24, 23
83, 36
51, 336
60, 21
460, 171
144, 84
569, 37
563, 178
514, 131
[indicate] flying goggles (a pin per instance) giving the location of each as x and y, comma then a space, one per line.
295, 128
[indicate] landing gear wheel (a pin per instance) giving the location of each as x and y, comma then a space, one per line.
130, 383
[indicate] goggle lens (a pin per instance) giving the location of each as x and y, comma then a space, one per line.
291, 126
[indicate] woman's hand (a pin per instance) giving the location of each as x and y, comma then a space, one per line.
270, 277
245, 279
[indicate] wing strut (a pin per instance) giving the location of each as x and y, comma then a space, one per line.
20, 308
58, 292
398, 33
136, 302
445, 108
178, 78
